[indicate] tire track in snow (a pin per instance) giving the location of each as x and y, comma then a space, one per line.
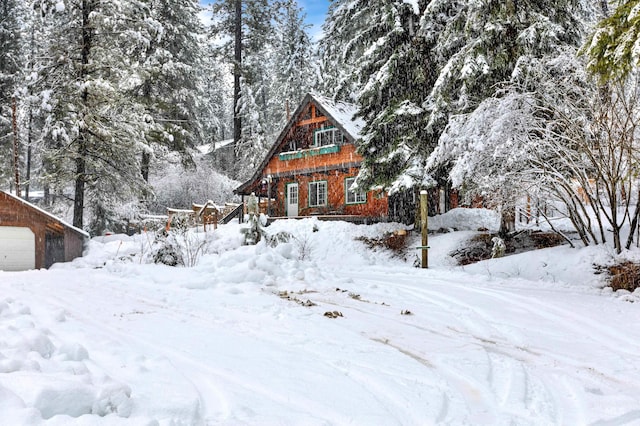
537, 365
111, 335
464, 397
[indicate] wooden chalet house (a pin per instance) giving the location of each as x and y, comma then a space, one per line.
310, 169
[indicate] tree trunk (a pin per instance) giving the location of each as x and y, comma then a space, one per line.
507, 221
29, 142
145, 165
81, 155
16, 156
634, 223
78, 201
604, 6
237, 70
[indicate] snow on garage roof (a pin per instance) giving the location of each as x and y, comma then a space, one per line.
46, 213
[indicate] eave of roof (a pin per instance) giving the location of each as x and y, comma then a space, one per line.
47, 214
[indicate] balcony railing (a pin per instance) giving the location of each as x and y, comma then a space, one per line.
311, 152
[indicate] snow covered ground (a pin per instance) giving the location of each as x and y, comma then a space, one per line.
347, 335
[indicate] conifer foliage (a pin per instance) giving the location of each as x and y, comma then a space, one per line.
491, 54
93, 129
614, 48
170, 80
266, 45
12, 51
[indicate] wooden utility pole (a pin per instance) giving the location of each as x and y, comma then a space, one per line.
16, 157
424, 212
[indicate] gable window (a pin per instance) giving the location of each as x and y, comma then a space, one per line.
318, 193
327, 136
353, 196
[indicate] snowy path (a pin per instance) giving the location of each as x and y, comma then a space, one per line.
533, 356
217, 344
469, 353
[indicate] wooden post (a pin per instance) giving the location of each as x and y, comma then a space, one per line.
424, 211
16, 158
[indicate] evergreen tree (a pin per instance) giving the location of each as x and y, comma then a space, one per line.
473, 47
171, 78
351, 28
503, 52
614, 48
12, 67
293, 71
94, 128
218, 84
398, 70
242, 30
488, 43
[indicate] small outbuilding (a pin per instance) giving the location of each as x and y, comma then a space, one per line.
31, 238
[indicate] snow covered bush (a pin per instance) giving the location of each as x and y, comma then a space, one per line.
166, 250
498, 248
179, 246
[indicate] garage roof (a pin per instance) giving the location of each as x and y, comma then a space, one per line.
47, 214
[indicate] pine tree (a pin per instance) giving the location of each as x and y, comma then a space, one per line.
94, 129
398, 72
243, 30
614, 48
171, 78
351, 28
503, 52
293, 71
488, 43
218, 84
12, 67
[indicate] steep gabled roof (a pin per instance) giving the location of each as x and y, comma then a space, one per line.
46, 214
339, 113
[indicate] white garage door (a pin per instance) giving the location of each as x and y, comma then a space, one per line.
17, 249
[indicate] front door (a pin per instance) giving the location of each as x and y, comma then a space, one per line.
292, 199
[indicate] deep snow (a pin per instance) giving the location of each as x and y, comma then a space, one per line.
530, 339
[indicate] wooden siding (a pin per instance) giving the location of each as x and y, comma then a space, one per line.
13, 212
73, 245
345, 156
375, 207
331, 163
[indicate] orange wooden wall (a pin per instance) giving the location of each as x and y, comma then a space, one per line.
376, 205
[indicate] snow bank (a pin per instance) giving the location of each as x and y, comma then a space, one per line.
42, 377
463, 219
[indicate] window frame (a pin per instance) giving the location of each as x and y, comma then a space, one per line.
326, 193
335, 140
347, 185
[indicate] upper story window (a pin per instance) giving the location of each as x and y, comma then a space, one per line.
327, 136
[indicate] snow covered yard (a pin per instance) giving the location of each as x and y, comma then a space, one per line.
243, 339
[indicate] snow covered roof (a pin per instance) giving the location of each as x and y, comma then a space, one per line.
214, 146
46, 213
342, 113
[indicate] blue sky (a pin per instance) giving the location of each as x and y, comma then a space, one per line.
316, 11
